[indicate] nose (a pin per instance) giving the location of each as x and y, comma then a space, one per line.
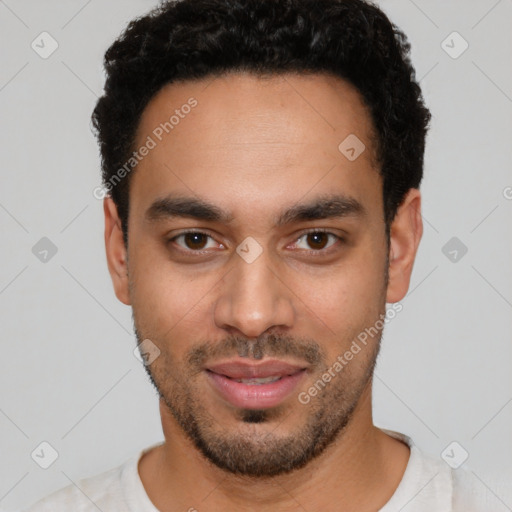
254, 298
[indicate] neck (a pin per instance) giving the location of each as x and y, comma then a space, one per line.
360, 470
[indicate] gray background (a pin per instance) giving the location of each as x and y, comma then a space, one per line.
68, 375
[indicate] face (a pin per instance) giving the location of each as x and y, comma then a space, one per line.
257, 254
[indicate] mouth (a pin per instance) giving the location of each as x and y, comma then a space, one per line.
255, 386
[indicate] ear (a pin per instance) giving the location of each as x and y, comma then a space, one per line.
405, 235
116, 251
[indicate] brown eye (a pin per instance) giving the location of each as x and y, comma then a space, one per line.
317, 240
195, 240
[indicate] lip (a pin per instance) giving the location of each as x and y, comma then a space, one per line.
240, 369
254, 396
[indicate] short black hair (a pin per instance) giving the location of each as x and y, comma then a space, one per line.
184, 40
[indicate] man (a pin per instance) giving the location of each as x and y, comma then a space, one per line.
262, 162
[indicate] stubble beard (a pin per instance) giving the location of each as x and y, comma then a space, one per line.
255, 450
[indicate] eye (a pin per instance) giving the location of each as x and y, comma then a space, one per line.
193, 241
314, 241
318, 240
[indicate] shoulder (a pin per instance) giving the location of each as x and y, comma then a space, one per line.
429, 483
103, 491
472, 493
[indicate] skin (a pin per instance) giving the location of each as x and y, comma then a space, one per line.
255, 147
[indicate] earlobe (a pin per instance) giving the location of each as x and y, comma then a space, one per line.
405, 235
116, 251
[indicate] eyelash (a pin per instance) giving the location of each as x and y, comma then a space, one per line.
315, 252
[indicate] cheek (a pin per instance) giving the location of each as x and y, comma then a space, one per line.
168, 304
158, 295
351, 291
341, 306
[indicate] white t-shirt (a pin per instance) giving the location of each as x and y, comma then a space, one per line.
428, 485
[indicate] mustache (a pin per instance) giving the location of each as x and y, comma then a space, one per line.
270, 345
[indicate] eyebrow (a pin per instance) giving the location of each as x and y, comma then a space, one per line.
324, 207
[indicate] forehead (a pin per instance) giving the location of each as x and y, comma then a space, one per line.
259, 139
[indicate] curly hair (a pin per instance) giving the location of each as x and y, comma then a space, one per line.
184, 40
